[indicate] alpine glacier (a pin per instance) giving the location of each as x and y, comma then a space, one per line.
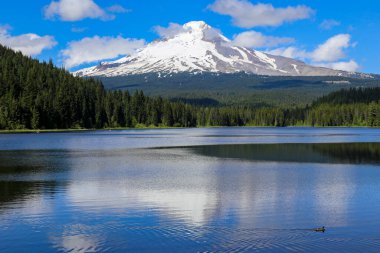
200, 48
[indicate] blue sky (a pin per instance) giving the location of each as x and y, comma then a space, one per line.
79, 33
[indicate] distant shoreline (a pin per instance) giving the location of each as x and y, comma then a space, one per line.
21, 131
31, 131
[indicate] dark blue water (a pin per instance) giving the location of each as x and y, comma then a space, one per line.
191, 190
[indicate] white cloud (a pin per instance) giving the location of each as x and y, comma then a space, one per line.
328, 54
332, 49
98, 48
328, 24
253, 39
350, 66
75, 10
290, 52
247, 15
29, 44
170, 31
117, 9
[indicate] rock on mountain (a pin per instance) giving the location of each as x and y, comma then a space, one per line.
200, 48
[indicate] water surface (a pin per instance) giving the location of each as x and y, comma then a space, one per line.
191, 190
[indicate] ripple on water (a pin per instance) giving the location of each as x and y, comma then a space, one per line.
78, 238
226, 239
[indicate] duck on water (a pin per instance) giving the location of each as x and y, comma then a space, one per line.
321, 229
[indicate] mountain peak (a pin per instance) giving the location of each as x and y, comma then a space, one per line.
200, 48
196, 26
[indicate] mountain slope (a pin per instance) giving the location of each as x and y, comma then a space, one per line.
201, 48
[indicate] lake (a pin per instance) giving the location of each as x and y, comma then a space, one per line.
191, 190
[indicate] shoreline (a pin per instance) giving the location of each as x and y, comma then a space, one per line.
34, 131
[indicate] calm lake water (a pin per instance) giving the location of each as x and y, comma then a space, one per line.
191, 190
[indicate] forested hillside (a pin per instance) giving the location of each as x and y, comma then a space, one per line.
347, 107
36, 95
352, 95
39, 95
237, 89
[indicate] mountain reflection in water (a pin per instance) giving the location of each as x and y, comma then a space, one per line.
224, 198
350, 153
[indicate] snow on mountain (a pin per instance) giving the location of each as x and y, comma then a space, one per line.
200, 48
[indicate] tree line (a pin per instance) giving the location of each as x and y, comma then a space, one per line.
36, 95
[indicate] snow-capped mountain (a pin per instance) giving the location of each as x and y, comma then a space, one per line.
201, 48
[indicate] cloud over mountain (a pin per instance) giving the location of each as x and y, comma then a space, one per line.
247, 15
328, 54
75, 10
253, 39
98, 48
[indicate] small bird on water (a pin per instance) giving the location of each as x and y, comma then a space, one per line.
321, 229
